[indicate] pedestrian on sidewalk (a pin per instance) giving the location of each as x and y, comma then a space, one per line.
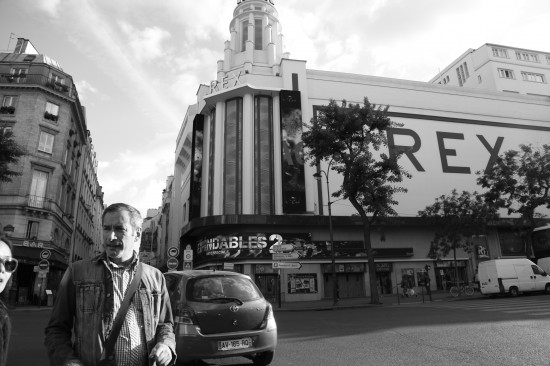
7, 267
110, 294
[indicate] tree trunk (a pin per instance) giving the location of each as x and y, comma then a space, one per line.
456, 266
374, 296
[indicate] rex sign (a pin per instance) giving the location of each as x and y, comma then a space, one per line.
442, 155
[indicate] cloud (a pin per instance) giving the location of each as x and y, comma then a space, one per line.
51, 7
147, 43
84, 88
137, 176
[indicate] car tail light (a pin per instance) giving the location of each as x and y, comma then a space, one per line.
185, 315
269, 318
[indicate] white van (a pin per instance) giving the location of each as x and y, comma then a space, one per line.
511, 276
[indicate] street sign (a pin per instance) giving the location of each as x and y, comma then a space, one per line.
280, 248
188, 255
43, 264
173, 251
172, 263
285, 256
187, 266
45, 254
283, 265
229, 266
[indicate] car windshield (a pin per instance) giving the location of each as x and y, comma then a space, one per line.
214, 288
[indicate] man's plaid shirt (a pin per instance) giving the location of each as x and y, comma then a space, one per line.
130, 347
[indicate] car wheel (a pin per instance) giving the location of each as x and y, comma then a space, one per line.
263, 359
514, 291
547, 289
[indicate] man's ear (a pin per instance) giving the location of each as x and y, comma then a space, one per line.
138, 234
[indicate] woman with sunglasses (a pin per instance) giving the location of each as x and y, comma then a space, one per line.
7, 266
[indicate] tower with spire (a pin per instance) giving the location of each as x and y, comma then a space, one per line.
256, 44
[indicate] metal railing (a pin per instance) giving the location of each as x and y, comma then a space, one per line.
32, 79
38, 202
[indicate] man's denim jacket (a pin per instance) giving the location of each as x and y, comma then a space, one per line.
84, 295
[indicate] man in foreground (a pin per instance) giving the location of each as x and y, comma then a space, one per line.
91, 294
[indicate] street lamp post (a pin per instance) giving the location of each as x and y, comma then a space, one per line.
332, 253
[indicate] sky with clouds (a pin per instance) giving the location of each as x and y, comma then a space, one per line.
138, 64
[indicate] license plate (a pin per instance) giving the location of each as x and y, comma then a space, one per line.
234, 344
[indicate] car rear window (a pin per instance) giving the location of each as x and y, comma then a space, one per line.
172, 284
215, 287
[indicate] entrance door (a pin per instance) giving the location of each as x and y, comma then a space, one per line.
349, 285
267, 283
383, 281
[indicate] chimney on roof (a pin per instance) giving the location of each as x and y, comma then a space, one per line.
24, 46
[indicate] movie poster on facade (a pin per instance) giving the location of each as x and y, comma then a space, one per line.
261, 246
196, 167
294, 193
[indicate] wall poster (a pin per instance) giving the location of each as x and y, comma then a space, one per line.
294, 192
302, 283
196, 167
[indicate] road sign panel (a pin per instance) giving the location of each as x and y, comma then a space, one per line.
280, 248
172, 263
45, 254
285, 256
187, 266
173, 251
187, 255
43, 264
288, 265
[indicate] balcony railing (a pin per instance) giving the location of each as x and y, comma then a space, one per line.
38, 202
31, 79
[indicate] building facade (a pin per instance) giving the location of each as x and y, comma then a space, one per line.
241, 185
502, 68
54, 207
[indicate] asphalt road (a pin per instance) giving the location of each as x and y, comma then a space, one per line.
502, 331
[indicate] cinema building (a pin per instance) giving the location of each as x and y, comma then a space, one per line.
241, 184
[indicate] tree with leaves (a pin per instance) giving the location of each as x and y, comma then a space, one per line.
10, 152
457, 218
351, 136
519, 182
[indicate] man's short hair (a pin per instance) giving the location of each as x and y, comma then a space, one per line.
135, 215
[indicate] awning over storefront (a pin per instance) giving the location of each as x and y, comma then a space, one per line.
31, 256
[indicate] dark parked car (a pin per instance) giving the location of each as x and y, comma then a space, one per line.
220, 314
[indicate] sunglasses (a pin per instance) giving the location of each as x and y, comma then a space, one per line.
10, 264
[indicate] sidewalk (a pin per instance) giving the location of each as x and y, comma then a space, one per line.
326, 304
363, 302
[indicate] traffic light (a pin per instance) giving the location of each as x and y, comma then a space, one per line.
427, 267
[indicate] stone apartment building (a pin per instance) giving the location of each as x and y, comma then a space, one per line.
52, 211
